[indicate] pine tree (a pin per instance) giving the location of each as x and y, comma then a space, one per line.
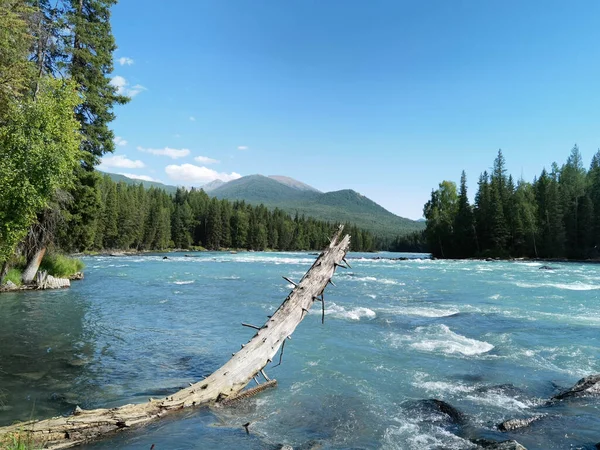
464, 224
90, 65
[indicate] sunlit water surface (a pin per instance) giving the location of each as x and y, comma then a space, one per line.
494, 339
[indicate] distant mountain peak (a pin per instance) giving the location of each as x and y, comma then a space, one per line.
291, 182
208, 187
295, 197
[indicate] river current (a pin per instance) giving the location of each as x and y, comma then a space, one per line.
495, 340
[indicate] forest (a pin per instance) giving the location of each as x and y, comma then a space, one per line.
109, 215
557, 215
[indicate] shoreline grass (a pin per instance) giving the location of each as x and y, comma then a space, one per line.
61, 266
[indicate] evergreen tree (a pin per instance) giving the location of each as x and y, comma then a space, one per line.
464, 224
90, 65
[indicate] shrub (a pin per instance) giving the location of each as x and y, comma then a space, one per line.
13, 275
61, 266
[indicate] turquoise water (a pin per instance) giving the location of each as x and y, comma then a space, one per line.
493, 339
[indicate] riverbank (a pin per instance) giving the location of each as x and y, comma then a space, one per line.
56, 271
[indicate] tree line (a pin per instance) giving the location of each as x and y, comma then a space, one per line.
56, 104
555, 216
111, 215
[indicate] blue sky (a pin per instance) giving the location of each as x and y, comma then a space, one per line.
385, 97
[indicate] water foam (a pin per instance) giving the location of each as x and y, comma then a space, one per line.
440, 339
339, 312
184, 282
416, 434
577, 286
426, 311
499, 399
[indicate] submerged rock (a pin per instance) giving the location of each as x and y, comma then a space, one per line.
450, 413
546, 268
515, 424
502, 445
586, 386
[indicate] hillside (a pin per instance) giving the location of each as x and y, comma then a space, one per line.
147, 184
212, 185
261, 189
293, 183
293, 196
339, 206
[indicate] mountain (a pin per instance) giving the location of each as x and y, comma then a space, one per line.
293, 183
147, 184
208, 187
295, 197
339, 206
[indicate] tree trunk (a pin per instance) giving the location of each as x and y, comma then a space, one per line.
3, 272
223, 386
33, 265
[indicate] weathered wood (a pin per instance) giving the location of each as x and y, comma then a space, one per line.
33, 265
223, 385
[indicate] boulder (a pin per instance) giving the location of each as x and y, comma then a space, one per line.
445, 411
515, 424
586, 386
10, 286
76, 276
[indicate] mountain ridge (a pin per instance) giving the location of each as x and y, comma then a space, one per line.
345, 205
296, 197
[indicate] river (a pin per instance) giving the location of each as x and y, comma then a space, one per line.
494, 339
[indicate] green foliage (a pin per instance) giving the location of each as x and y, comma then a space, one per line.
345, 206
39, 148
59, 265
13, 275
440, 212
150, 219
15, 40
91, 46
19, 441
556, 216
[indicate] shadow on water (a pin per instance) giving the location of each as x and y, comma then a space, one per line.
44, 354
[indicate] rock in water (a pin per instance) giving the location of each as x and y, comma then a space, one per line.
546, 268
449, 412
586, 386
515, 424
493, 445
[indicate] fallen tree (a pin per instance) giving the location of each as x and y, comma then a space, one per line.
223, 386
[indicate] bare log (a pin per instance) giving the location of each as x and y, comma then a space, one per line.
224, 385
33, 265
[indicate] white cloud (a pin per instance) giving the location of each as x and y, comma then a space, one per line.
192, 119
123, 87
124, 60
206, 160
118, 140
172, 153
140, 177
121, 161
242, 147
188, 174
